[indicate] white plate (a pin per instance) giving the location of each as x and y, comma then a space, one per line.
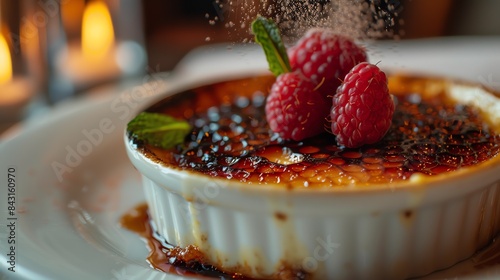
67, 221
67, 227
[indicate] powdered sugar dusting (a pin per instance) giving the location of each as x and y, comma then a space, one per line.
359, 19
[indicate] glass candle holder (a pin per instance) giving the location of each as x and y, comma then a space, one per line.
19, 63
104, 42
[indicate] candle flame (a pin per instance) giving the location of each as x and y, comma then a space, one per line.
97, 31
6, 61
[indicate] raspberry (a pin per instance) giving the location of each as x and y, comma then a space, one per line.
325, 58
294, 109
362, 108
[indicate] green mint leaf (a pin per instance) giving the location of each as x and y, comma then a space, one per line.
267, 34
158, 130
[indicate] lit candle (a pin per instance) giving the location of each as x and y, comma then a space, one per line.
14, 91
95, 60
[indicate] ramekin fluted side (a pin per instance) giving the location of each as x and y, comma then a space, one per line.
392, 243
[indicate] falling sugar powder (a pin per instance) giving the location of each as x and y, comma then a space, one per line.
363, 20
359, 19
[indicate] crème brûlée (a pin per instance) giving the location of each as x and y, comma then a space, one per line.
422, 199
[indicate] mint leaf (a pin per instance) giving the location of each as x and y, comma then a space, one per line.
158, 130
267, 34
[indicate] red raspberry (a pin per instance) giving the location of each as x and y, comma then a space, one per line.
294, 109
325, 57
362, 108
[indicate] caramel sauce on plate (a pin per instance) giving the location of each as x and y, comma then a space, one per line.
187, 261
165, 257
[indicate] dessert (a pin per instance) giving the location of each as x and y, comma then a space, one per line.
232, 141
254, 202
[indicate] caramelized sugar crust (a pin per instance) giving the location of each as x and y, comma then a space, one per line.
231, 139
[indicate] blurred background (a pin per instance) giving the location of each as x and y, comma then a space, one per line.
54, 50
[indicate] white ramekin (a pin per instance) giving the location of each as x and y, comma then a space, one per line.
391, 231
